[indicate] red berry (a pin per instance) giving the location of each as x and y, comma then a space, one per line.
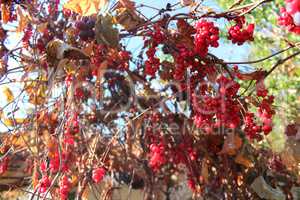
98, 174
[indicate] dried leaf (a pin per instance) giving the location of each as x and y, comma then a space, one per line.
105, 33
127, 4
85, 7
5, 13
128, 18
8, 94
242, 160
231, 144
265, 191
57, 50
257, 75
204, 170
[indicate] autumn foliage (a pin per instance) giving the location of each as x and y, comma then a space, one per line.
98, 110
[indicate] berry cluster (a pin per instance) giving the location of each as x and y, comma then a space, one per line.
290, 16
44, 184
216, 111
207, 35
85, 28
98, 174
64, 187
157, 156
152, 63
238, 34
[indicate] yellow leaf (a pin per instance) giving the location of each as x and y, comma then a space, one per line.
8, 122
85, 7
23, 20
8, 94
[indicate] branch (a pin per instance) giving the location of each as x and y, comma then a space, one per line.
281, 61
256, 61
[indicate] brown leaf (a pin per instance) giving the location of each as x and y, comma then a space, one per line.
242, 160
5, 13
127, 4
231, 144
204, 170
128, 18
257, 75
105, 32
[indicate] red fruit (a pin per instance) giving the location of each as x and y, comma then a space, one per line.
98, 174
45, 183
267, 129
64, 187
207, 35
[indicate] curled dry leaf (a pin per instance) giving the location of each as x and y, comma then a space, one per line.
85, 7
105, 32
128, 18
58, 50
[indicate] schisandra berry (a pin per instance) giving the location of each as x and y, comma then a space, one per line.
98, 174
152, 63
64, 187
207, 35
157, 157
239, 35
45, 183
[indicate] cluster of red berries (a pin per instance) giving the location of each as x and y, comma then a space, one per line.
238, 34
216, 111
44, 184
183, 60
98, 174
252, 128
124, 57
207, 35
152, 63
64, 187
157, 156
290, 16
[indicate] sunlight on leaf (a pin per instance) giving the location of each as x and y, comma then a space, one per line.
85, 7
8, 94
